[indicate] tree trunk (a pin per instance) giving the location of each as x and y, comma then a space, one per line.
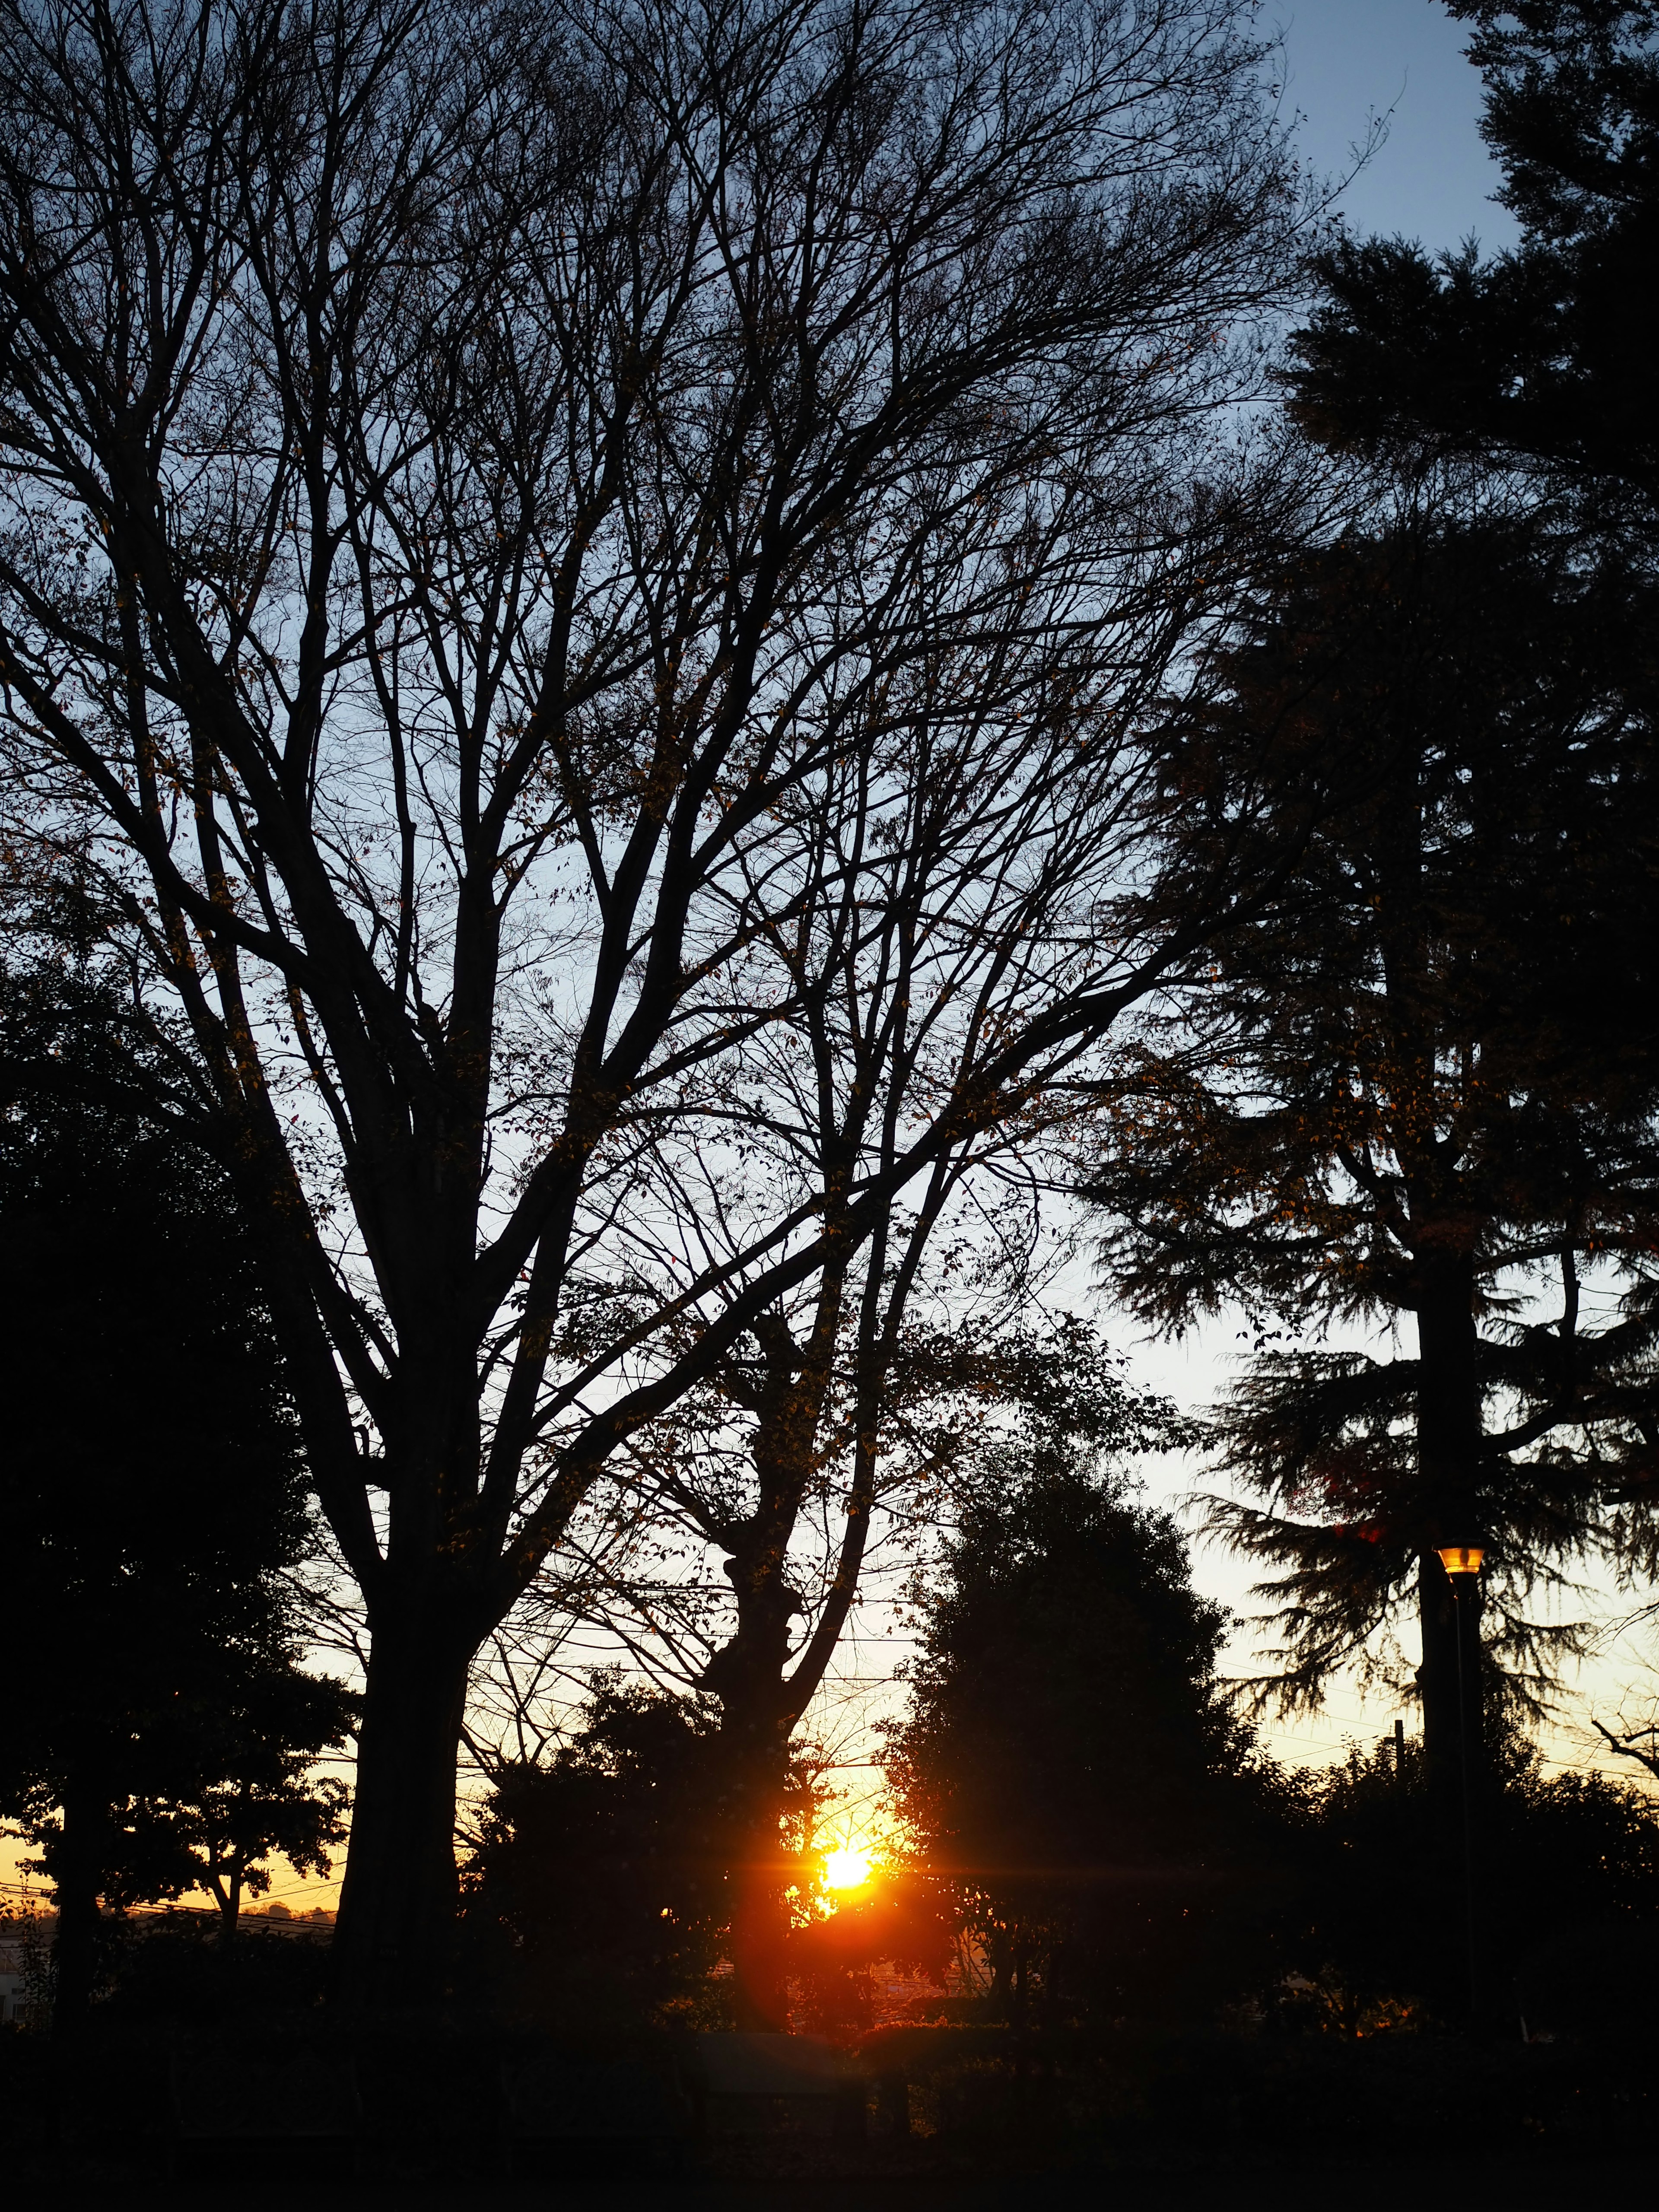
1448, 1428
77, 1874
228, 1888
1449, 1459
393, 1937
749, 1675
759, 1933
1437, 1678
757, 1748
1001, 1975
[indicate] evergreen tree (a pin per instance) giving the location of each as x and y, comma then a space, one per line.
597, 1884
1539, 359
1070, 1761
158, 1728
1422, 1097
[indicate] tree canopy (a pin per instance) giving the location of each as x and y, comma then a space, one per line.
159, 1730
1070, 1762
1539, 358
559, 560
1424, 1092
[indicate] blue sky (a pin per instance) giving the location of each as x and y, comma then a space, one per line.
1350, 59
1346, 60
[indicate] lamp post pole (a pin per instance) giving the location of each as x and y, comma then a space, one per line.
1462, 1565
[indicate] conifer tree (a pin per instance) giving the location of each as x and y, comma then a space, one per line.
159, 1732
1070, 1764
1539, 359
1421, 1100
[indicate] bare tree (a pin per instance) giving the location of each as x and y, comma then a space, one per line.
1640, 1743
478, 479
903, 951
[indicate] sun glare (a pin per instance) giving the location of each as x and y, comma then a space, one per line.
846, 1869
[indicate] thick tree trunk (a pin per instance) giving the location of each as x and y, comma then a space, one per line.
1002, 1969
1448, 1456
761, 1695
755, 1744
759, 1924
393, 1937
77, 1875
747, 1676
1448, 1427
228, 1888
1437, 1677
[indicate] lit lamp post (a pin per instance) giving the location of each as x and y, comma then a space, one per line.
1462, 1565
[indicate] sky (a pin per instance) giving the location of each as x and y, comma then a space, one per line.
1347, 62
1400, 61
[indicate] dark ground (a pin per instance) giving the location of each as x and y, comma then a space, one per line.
1422, 2186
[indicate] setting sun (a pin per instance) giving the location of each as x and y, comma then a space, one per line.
846, 1869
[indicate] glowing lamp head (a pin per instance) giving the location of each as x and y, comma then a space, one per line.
846, 1869
1461, 1559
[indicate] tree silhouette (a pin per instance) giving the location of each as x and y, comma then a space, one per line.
516, 516
1568, 1881
1421, 1095
863, 1433
1070, 1761
158, 1730
598, 1884
1539, 359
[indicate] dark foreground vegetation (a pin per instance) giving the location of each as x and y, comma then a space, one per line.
1128, 1942
684, 691
279, 2100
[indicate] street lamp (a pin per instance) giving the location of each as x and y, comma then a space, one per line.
1462, 1565
1460, 1559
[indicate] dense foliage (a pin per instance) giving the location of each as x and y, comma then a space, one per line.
1070, 1764
158, 1729
1540, 360
1565, 1900
596, 1886
1425, 1093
